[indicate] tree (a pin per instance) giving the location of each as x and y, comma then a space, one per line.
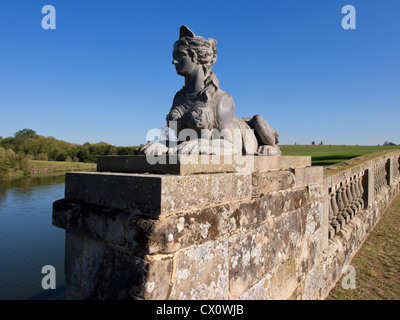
321, 144
389, 144
61, 156
313, 143
27, 133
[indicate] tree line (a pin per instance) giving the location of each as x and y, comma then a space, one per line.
26, 144
38, 147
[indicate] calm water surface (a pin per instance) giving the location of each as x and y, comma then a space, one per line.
28, 240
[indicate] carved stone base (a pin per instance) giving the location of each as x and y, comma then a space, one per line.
188, 235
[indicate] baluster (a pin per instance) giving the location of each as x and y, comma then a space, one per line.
357, 192
331, 231
361, 189
353, 191
335, 211
341, 217
347, 212
351, 208
353, 204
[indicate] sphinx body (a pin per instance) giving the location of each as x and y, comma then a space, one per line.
203, 116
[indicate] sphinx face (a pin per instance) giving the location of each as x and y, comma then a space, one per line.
184, 63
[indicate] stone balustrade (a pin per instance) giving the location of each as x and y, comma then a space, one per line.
346, 200
358, 191
352, 181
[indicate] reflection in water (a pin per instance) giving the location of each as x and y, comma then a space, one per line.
29, 182
2, 193
28, 240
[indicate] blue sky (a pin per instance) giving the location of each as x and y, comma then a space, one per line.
105, 73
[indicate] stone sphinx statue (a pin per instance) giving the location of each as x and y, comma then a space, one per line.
202, 115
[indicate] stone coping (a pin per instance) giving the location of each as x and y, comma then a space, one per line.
361, 160
156, 194
196, 164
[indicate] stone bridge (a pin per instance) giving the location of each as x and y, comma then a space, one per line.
207, 229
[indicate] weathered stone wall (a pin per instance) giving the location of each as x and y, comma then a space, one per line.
260, 234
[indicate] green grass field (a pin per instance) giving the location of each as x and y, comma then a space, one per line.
55, 167
327, 155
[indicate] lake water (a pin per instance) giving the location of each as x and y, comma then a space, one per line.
28, 240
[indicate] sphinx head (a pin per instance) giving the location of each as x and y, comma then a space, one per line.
191, 52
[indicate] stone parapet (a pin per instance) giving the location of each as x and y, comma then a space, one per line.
207, 235
263, 233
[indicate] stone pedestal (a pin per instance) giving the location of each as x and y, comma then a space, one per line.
191, 229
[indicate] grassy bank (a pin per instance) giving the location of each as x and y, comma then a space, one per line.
327, 155
377, 263
36, 168
56, 167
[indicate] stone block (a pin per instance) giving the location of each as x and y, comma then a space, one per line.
101, 223
255, 251
168, 164
278, 284
268, 163
249, 257
295, 162
306, 176
312, 284
83, 263
128, 277
316, 192
266, 182
312, 214
179, 231
158, 273
307, 255
275, 204
156, 195
67, 215
202, 272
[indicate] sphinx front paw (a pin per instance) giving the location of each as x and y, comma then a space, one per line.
269, 150
154, 149
196, 146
